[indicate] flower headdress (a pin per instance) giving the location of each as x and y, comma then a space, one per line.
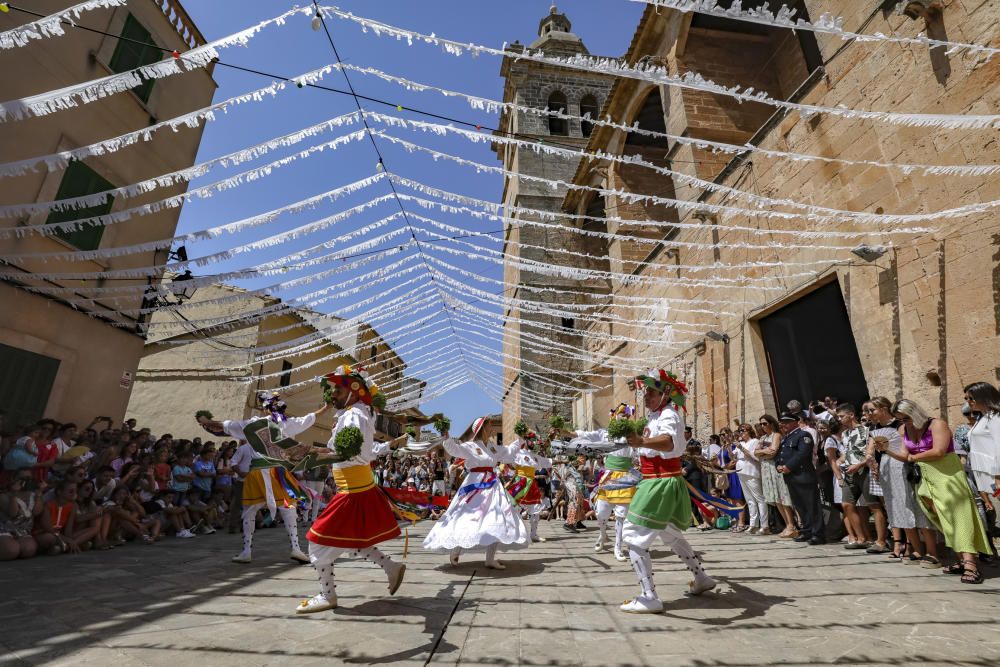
271, 402
664, 382
623, 411
355, 379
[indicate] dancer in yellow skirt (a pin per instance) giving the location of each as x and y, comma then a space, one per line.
274, 488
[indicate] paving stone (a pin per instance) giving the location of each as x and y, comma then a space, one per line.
778, 603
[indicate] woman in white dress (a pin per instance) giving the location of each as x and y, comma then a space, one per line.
482, 514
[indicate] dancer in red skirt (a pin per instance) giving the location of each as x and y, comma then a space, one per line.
359, 516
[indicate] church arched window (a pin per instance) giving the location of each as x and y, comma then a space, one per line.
557, 126
588, 106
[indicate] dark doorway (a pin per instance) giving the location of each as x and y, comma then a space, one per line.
811, 351
25, 384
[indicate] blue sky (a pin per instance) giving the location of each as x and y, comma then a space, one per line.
606, 26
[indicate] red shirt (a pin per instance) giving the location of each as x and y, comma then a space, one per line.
47, 451
161, 473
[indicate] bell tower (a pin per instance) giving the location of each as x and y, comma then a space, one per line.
544, 350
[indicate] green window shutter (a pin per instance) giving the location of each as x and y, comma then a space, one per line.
25, 384
129, 55
80, 180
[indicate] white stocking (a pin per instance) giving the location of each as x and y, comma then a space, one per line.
604, 511
675, 542
249, 525
491, 553
619, 525
643, 566
374, 555
322, 558
291, 525
533, 519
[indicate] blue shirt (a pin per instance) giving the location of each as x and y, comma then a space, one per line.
178, 485
200, 466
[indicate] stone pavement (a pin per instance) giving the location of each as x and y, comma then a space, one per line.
182, 602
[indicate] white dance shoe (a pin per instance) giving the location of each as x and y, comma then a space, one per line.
701, 584
298, 556
643, 605
242, 557
495, 565
316, 604
601, 545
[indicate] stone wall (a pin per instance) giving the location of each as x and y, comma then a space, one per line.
928, 311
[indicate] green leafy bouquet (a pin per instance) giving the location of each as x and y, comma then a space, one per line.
348, 442
520, 428
557, 422
441, 423
623, 428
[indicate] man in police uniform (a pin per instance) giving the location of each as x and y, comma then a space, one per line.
795, 462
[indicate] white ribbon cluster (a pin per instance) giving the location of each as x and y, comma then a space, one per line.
827, 24
52, 25
660, 75
90, 91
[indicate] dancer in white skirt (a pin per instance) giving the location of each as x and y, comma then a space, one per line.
481, 515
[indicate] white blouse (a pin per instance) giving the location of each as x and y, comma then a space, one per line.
668, 421
478, 454
358, 415
984, 446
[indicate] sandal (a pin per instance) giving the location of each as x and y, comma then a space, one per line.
973, 576
958, 567
930, 562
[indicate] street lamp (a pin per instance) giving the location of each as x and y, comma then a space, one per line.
180, 288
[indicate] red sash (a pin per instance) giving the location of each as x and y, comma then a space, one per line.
653, 468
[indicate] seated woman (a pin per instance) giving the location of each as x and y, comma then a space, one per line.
57, 530
19, 508
128, 517
89, 514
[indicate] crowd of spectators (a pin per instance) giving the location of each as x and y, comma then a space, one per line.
884, 478
890, 479
64, 489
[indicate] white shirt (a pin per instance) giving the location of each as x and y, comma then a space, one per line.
361, 416
529, 459
290, 428
62, 445
668, 421
601, 435
241, 460
984, 446
748, 465
478, 454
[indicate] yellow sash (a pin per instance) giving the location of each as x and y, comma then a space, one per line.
525, 471
354, 479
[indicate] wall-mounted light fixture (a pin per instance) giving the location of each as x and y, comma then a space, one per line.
869, 253
715, 335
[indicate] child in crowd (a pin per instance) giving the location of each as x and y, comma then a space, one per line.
204, 471
182, 477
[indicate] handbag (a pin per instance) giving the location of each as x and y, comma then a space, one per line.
912, 473
720, 482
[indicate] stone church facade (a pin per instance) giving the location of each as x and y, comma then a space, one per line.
751, 310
